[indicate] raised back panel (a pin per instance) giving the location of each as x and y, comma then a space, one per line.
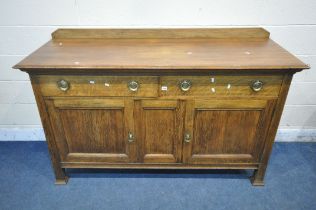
222, 33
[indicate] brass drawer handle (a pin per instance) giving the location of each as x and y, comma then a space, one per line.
63, 85
187, 137
133, 86
130, 137
185, 85
257, 85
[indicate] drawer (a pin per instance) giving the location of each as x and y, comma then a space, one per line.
140, 86
220, 85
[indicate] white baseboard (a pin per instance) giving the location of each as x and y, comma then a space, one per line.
37, 134
296, 135
22, 134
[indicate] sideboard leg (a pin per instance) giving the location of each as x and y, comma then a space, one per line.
258, 177
61, 177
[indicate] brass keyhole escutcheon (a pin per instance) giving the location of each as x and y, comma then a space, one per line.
187, 137
130, 137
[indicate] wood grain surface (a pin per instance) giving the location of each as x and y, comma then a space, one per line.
220, 86
170, 33
220, 122
158, 51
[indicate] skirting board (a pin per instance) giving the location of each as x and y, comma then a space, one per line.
37, 134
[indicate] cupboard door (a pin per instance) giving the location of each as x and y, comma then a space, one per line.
160, 128
93, 130
225, 131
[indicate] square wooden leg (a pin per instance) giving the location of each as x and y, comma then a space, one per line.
257, 178
61, 177
61, 181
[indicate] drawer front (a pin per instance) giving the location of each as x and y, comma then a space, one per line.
220, 85
139, 86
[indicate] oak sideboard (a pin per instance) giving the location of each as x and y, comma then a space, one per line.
161, 98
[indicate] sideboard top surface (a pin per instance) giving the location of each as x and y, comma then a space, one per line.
115, 49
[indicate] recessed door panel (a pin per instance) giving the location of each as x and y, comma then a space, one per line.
160, 130
226, 131
93, 130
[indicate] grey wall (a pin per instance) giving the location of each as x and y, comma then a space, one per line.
26, 25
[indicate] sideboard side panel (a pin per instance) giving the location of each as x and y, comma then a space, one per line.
60, 175
258, 177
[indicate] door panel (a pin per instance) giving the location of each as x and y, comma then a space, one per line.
160, 130
93, 129
226, 130
224, 136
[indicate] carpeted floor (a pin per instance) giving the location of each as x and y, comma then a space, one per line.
27, 182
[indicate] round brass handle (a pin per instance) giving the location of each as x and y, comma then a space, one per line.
185, 85
63, 85
257, 85
133, 86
